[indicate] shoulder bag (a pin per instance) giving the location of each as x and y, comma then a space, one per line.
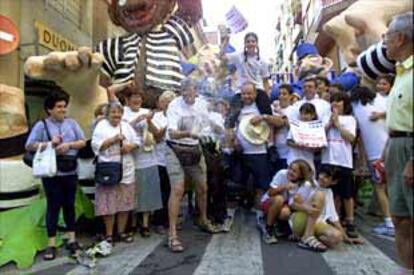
109, 173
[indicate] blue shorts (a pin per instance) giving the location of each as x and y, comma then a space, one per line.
258, 167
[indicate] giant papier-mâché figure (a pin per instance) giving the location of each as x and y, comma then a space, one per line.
158, 31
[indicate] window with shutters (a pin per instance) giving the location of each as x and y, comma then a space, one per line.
69, 9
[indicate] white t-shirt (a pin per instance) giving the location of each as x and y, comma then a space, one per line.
184, 117
296, 153
373, 133
280, 178
214, 127
281, 135
249, 148
306, 191
252, 70
143, 159
329, 211
103, 131
381, 102
160, 121
339, 151
323, 109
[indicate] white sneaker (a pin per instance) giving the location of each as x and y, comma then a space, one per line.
384, 230
103, 248
269, 239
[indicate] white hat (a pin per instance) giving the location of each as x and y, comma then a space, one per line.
149, 140
255, 134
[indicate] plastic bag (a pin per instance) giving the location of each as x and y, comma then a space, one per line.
44, 162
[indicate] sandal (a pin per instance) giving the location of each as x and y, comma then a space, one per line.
50, 253
124, 237
294, 238
208, 227
311, 243
175, 245
74, 249
132, 231
109, 239
145, 232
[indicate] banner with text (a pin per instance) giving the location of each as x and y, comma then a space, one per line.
309, 134
235, 20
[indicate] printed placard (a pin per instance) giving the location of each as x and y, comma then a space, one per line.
309, 133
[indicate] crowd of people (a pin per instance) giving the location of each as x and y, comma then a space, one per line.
303, 192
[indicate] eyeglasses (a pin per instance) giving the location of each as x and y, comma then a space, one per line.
386, 36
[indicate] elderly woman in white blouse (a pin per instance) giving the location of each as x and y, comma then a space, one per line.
118, 200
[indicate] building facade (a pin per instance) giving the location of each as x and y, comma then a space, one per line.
289, 32
302, 21
315, 14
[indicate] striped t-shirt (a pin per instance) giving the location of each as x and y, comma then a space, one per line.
163, 47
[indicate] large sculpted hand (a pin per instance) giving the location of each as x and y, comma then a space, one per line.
362, 24
74, 71
77, 72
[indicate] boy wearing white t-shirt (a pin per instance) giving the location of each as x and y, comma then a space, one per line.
328, 228
341, 133
282, 109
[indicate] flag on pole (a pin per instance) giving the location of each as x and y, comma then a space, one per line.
235, 20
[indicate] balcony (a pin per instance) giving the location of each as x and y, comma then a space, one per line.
319, 13
331, 8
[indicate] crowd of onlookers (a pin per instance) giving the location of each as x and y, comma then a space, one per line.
301, 191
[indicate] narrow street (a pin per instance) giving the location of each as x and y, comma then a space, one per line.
240, 251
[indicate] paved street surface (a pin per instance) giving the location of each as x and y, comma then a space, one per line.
239, 252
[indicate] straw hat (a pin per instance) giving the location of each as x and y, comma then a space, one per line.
255, 134
149, 140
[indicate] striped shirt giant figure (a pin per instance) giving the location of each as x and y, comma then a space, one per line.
155, 36
163, 69
158, 31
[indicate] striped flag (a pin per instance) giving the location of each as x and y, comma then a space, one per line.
235, 20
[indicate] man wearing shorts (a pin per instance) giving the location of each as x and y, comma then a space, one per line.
185, 116
399, 151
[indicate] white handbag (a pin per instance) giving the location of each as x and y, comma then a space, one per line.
44, 162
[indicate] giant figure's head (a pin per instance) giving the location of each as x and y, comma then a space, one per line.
139, 16
310, 63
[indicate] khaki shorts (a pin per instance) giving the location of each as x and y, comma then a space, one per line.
299, 220
196, 174
400, 195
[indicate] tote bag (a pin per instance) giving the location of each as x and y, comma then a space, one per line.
44, 162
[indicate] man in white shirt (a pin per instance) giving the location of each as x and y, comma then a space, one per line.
328, 228
323, 108
186, 118
254, 156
